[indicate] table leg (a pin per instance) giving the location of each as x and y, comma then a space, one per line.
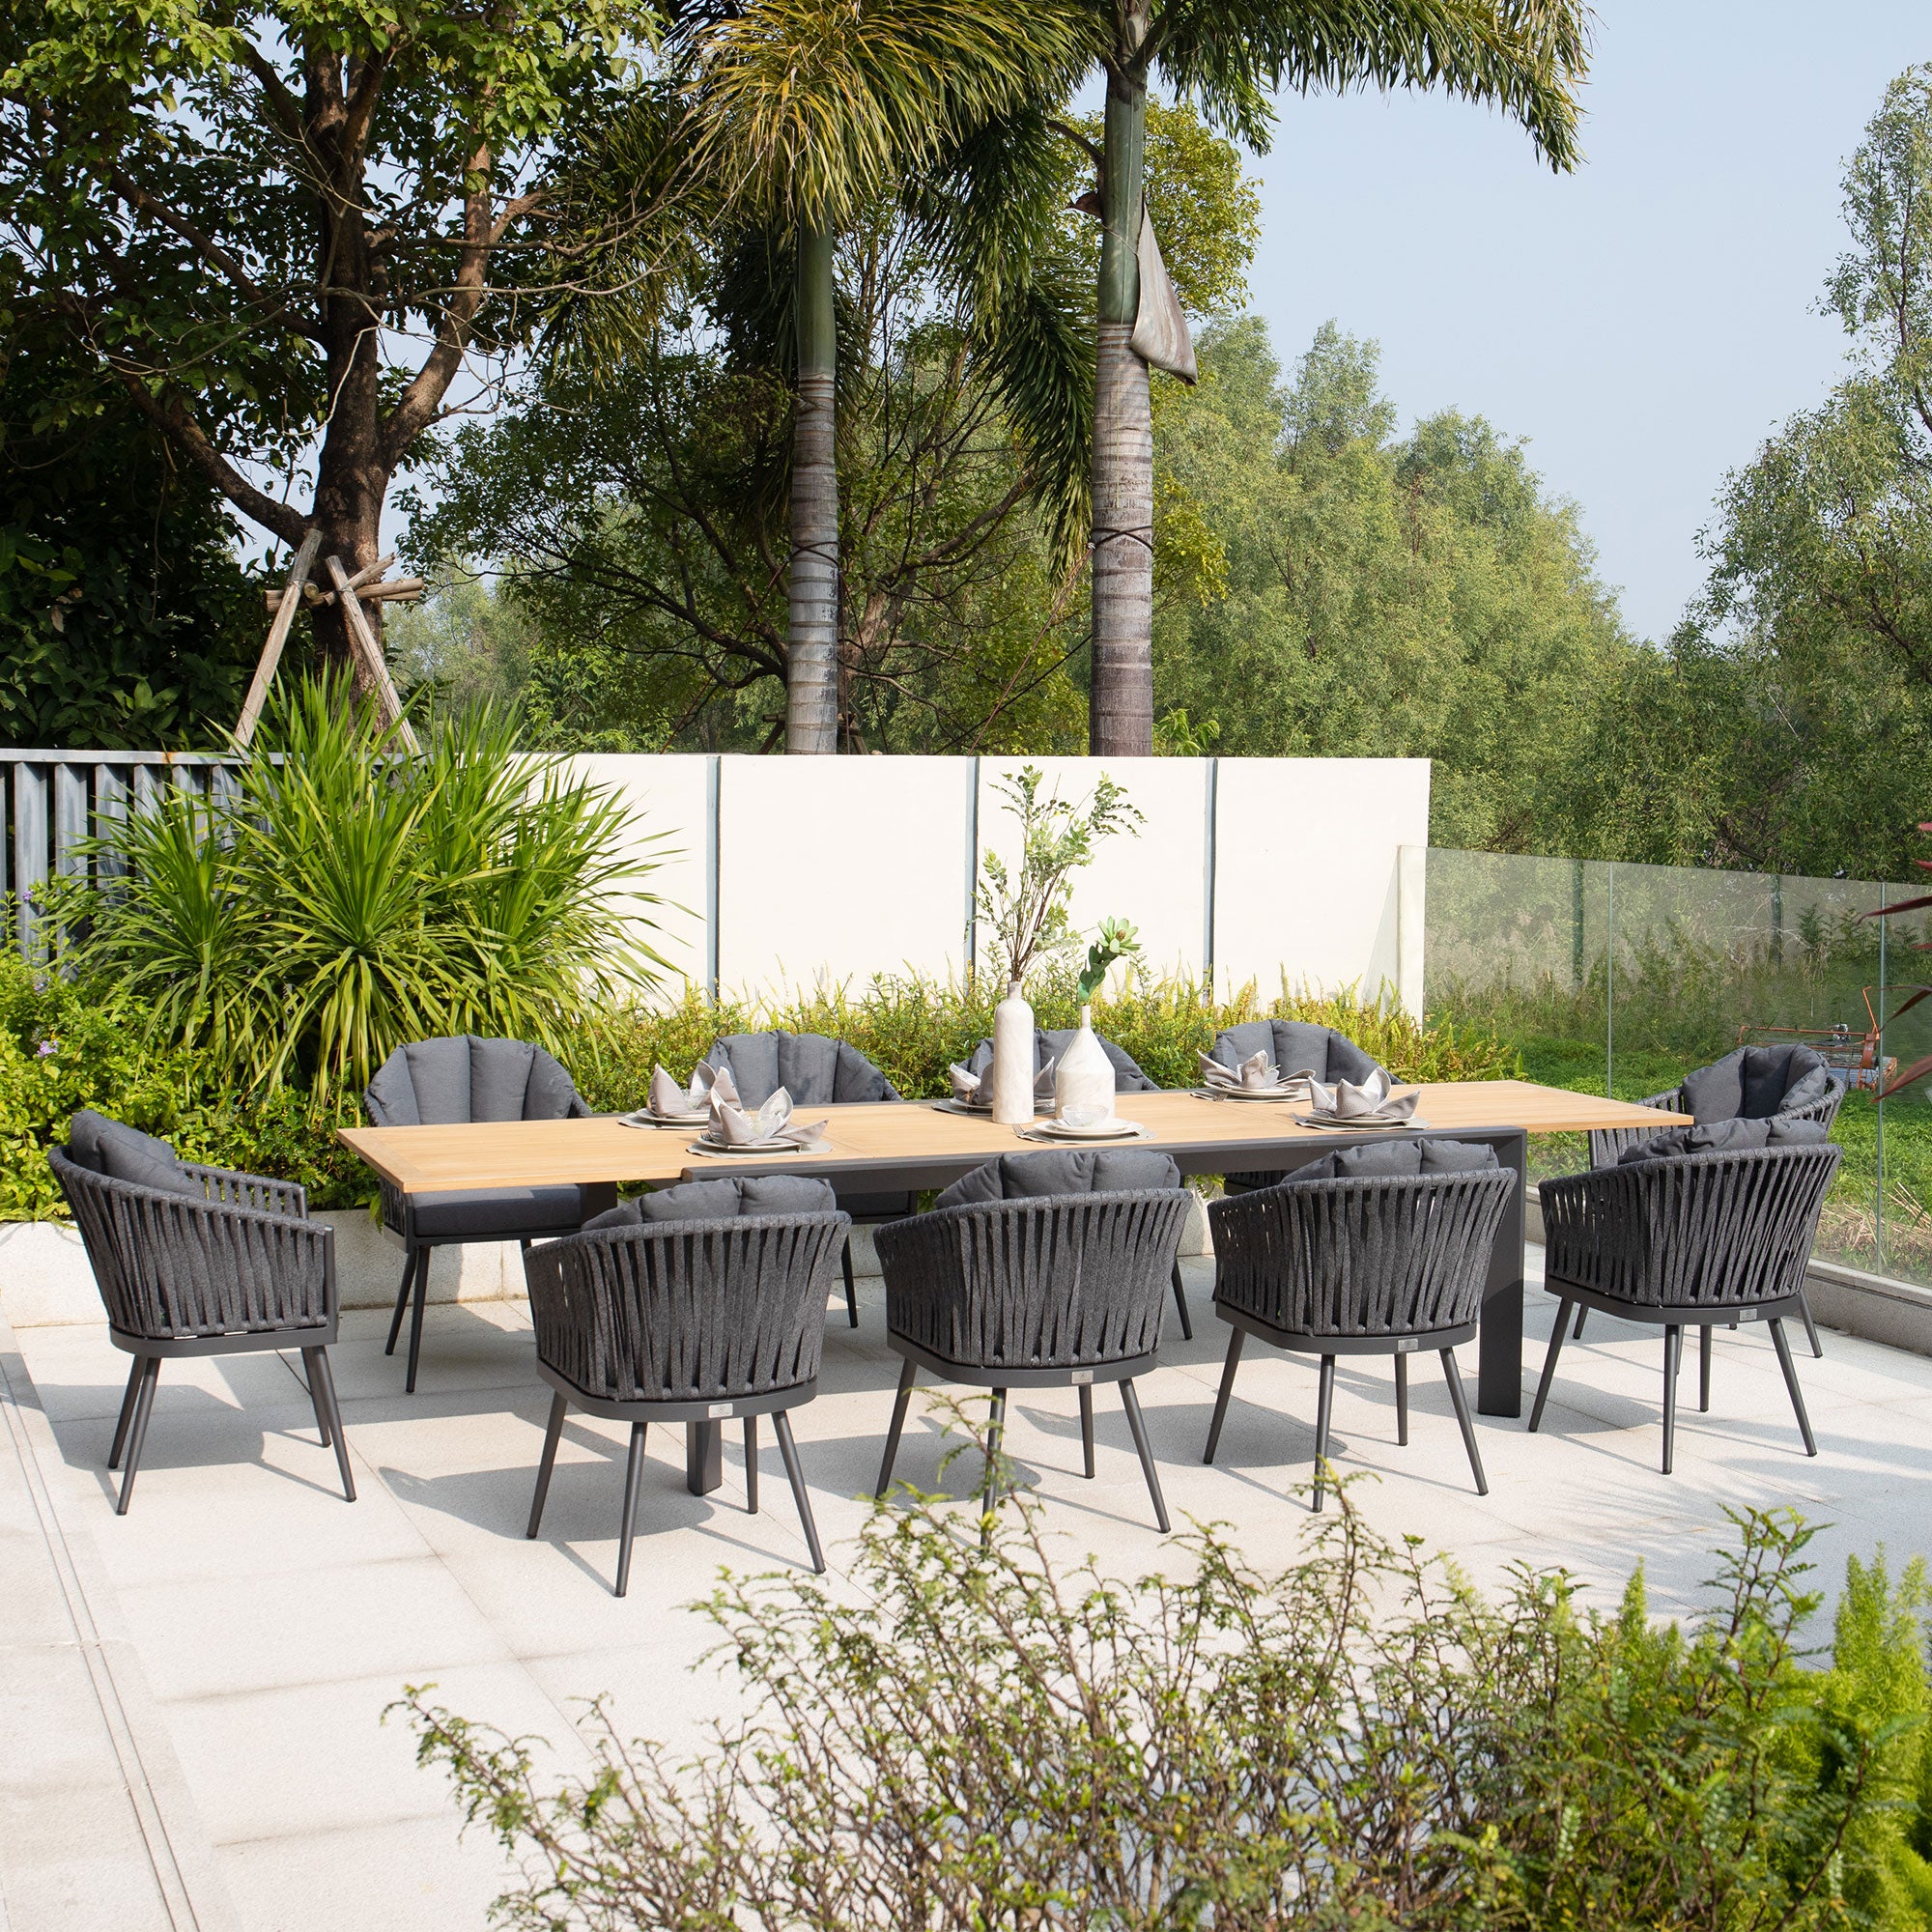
1500, 1359
704, 1456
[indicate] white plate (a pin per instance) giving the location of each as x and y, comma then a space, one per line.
1105, 1131
970, 1112
705, 1144
1360, 1126
1275, 1093
644, 1117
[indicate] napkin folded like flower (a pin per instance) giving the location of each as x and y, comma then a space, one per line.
668, 1098
1257, 1071
1371, 1100
773, 1121
972, 1089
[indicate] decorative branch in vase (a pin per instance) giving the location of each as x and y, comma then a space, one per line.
1086, 1076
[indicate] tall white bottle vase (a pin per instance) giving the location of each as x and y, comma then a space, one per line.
1085, 1075
1013, 1058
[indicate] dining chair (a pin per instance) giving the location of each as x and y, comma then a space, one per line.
459, 1078
1783, 1084
817, 1071
1680, 1239
1296, 1046
1036, 1271
701, 1303
1376, 1250
197, 1261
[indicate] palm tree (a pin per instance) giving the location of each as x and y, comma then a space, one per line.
809, 112
1526, 57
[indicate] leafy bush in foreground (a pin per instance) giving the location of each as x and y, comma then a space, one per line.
1364, 1740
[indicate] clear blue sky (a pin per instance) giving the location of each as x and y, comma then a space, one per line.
1644, 323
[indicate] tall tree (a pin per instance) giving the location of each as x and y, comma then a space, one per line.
282, 227
805, 113
1524, 56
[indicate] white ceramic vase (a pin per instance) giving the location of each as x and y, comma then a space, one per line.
1013, 1058
1085, 1075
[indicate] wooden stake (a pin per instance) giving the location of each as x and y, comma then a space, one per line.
278, 635
371, 653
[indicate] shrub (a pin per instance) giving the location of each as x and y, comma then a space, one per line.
345, 900
975, 1738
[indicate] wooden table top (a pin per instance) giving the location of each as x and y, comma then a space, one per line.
928, 1143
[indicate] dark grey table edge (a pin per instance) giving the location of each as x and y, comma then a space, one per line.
1499, 1341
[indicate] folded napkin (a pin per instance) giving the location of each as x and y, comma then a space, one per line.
773, 1121
1257, 1071
1371, 1100
667, 1097
974, 1090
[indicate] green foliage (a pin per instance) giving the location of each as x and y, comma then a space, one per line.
1028, 909
345, 900
124, 621
1384, 597
1118, 940
1362, 1739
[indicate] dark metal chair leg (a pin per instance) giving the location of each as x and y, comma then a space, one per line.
1790, 1368
1181, 1303
1576, 1334
1557, 1335
1087, 1426
552, 1434
134, 1368
144, 1406
308, 1356
906, 1375
1132, 1403
1235, 1338
1325, 1404
409, 1260
751, 1466
851, 1287
322, 1382
633, 1469
1454, 1378
995, 1428
416, 1319
1704, 1370
1673, 1355
1402, 1401
788, 1449
1811, 1326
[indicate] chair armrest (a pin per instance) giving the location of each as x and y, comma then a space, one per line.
235, 1189
1609, 1144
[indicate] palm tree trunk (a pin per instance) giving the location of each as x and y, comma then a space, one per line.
1120, 716
812, 637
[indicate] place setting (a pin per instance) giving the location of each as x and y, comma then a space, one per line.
1373, 1106
712, 1103
1090, 1122
1256, 1078
973, 1093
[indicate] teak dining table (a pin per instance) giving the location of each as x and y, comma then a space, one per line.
919, 1144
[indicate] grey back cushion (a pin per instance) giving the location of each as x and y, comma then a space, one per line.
462, 1077
1051, 1042
1398, 1158
1297, 1047
815, 1070
726, 1199
1725, 1137
1024, 1176
1755, 1083
126, 1153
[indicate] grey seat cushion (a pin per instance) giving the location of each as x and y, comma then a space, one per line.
1296, 1047
726, 1199
462, 1077
498, 1213
1726, 1137
1051, 1042
126, 1153
814, 1069
1021, 1176
1396, 1159
1756, 1082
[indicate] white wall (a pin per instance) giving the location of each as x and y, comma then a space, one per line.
785, 871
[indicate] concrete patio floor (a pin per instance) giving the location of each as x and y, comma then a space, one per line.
193, 1694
